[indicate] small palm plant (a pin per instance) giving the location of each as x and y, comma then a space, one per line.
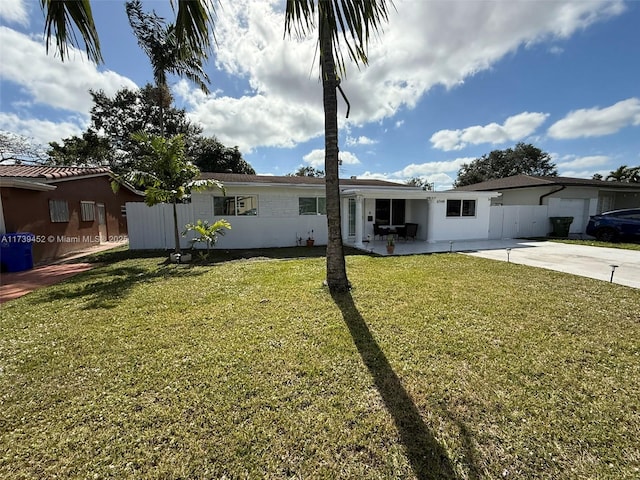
206, 233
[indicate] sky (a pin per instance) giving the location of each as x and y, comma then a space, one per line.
447, 82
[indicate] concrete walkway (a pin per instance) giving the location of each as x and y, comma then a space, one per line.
16, 284
583, 260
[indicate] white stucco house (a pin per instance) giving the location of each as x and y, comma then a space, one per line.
527, 202
271, 211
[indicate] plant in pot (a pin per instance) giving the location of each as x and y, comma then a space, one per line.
310, 239
391, 244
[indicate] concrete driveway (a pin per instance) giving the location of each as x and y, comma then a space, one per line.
593, 262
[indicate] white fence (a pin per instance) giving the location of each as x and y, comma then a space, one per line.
519, 221
152, 228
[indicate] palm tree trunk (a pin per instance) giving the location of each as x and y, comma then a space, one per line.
336, 269
176, 234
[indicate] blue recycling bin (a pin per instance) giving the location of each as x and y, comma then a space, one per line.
16, 251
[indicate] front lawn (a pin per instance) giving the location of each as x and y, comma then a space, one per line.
440, 366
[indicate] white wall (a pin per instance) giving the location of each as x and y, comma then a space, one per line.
277, 224
518, 221
441, 228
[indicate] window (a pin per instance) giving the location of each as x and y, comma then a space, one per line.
245, 205
461, 208
312, 206
59, 210
390, 212
87, 211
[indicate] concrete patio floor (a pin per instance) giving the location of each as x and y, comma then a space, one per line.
583, 260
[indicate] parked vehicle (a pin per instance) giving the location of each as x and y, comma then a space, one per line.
615, 225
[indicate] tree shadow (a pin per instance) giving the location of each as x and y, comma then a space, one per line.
99, 289
218, 255
428, 458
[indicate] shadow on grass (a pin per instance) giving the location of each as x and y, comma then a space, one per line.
218, 255
98, 288
428, 458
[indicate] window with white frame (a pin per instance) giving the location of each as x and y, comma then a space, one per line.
238, 205
59, 211
87, 211
312, 205
461, 208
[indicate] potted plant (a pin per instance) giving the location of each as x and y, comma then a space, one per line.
310, 240
391, 244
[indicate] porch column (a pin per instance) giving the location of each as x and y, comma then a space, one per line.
359, 221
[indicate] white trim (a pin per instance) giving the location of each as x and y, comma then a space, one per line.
12, 182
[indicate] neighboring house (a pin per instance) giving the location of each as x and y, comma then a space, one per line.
269, 211
66, 208
529, 201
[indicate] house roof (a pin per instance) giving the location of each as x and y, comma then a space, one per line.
42, 172
295, 180
42, 177
530, 181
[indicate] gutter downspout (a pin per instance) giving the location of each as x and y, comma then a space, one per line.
550, 193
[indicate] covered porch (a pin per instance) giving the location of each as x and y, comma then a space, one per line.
369, 215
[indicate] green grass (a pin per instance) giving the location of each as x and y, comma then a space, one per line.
441, 366
598, 243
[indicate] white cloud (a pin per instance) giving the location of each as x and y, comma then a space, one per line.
583, 162
14, 11
595, 122
315, 158
41, 131
514, 128
423, 45
48, 80
361, 140
430, 168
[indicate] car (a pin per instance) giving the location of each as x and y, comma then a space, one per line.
615, 225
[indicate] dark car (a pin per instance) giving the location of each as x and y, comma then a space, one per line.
615, 225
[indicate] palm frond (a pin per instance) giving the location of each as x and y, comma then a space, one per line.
353, 21
193, 20
62, 19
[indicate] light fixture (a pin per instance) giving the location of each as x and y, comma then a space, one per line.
613, 269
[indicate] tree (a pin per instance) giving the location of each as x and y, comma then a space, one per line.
159, 41
353, 21
209, 155
307, 171
89, 150
523, 159
419, 182
194, 18
130, 111
167, 174
597, 176
625, 174
17, 149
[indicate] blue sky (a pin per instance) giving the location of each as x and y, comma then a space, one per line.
448, 81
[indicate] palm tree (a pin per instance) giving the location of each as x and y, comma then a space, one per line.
353, 21
159, 42
167, 174
625, 174
194, 19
